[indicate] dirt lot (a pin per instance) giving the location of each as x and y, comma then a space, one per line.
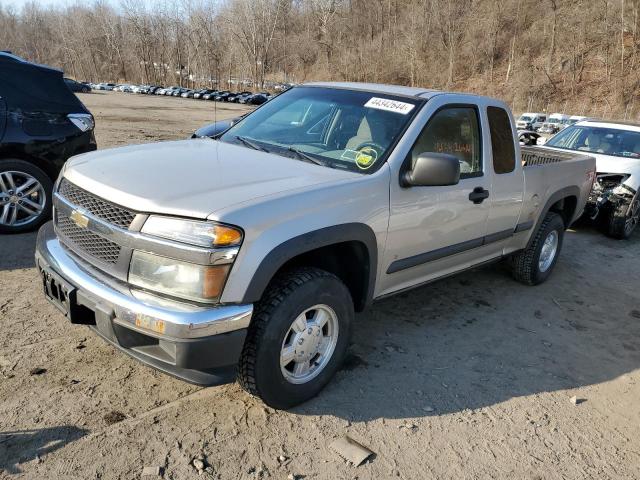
468, 378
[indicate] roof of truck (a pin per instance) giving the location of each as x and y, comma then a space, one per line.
376, 87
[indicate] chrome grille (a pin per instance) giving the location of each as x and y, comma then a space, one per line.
98, 207
86, 241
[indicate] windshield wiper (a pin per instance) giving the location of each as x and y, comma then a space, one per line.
250, 144
305, 156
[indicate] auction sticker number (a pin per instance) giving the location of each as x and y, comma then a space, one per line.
389, 105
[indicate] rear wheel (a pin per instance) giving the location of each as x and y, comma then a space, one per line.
624, 219
25, 196
298, 337
535, 264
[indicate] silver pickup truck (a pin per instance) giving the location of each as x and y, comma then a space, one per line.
245, 256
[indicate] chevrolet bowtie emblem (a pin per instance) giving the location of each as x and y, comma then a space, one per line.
79, 218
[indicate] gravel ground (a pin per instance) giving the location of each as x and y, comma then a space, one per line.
468, 378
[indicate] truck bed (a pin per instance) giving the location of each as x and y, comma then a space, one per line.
532, 156
548, 173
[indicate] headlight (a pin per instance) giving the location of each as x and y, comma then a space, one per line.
83, 121
193, 232
201, 283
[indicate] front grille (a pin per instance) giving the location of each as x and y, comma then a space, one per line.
98, 207
86, 241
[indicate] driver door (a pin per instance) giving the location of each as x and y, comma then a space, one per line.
437, 230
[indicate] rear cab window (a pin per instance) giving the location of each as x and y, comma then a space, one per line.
502, 140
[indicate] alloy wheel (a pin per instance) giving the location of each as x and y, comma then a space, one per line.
22, 198
548, 251
309, 344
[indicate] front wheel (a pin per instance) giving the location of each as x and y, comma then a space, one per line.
25, 196
298, 337
624, 219
534, 264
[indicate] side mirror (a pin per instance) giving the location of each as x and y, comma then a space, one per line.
433, 170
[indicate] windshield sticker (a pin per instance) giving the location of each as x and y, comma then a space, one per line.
389, 105
367, 156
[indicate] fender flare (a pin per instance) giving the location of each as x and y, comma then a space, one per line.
571, 191
324, 237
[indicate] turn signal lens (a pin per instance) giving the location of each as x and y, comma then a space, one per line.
225, 236
193, 232
214, 278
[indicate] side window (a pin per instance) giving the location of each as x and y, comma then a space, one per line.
504, 154
456, 131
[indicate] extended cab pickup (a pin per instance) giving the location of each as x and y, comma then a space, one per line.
247, 255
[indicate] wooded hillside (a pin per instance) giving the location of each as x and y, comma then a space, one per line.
573, 56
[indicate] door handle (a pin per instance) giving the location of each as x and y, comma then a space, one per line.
478, 195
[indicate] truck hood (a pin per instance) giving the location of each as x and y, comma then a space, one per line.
192, 178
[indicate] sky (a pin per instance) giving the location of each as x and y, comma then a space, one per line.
17, 4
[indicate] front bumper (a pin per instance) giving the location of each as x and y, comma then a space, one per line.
201, 345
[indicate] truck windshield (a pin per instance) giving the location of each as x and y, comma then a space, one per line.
333, 127
607, 141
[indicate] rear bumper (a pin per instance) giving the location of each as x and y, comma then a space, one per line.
201, 345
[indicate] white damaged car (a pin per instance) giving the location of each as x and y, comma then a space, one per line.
614, 198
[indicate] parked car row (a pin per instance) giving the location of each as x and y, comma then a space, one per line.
539, 122
245, 97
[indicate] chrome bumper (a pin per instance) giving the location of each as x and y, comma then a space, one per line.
136, 310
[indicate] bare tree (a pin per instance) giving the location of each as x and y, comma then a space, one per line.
584, 53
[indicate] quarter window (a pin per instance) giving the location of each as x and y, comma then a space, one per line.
456, 131
504, 154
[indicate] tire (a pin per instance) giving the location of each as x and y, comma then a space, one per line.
260, 371
21, 171
527, 266
624, 219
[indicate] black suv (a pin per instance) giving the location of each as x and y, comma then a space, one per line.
42, 124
